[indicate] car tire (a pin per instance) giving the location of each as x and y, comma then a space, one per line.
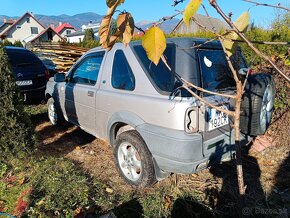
54, 115
134, 160
257, 104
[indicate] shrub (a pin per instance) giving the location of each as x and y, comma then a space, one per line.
17, 134
17, 43
7, 43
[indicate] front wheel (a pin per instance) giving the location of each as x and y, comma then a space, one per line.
133, 159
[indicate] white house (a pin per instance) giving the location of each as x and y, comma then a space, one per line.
27, 29
78, 36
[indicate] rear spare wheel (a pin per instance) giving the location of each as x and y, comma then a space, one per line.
257, 104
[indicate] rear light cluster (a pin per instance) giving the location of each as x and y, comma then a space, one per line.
191, 120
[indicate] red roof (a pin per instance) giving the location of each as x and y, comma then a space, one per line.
63, 26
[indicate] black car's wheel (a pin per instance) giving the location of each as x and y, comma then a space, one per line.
258, 104
54, 115
133, 159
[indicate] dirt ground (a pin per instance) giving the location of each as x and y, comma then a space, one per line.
267, 174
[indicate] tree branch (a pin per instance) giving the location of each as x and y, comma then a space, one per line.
186, 84
244, 38
268, 5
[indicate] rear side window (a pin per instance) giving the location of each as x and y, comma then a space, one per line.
160, 76
88, 70
122, 74
22, 58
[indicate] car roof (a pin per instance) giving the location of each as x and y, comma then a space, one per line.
182, 42
15, 48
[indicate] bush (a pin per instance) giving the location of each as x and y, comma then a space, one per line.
17, 43
17, 134
7, 43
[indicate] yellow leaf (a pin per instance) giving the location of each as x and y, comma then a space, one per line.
78, 148
191, 10
154, 43
241, 23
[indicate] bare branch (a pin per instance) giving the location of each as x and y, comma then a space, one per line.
194, 86
206, 91
186, 84
162, 20
262, 42
236, 78
140, 29
268, 5
176, 2
244, 38
228, 112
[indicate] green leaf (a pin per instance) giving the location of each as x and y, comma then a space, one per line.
154, 43
191, 10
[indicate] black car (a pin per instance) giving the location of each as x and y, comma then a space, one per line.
30, 73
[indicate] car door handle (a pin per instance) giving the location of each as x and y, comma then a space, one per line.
91, 93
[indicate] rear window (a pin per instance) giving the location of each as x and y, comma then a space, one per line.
22, 58
216, 74
160, 76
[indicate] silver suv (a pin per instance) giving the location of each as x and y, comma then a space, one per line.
154, 126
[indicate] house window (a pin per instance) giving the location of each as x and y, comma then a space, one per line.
34, 30
28, 19
18, 27
68, 32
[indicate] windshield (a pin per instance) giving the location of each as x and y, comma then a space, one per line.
216, 74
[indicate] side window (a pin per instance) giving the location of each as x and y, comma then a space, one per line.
122, 74
88, 70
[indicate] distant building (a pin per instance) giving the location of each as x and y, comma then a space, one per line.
47, 35
64, 29
209, 22
78, 36
27, 29
6, 24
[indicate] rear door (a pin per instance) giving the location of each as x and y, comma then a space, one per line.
80, 92
216, 126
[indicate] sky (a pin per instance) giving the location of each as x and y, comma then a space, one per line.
151, 10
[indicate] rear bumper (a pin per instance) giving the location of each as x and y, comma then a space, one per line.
178, 152
31, 94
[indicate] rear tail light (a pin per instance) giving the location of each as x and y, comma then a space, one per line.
47, 76
191, 120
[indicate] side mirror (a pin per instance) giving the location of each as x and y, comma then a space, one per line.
59, 77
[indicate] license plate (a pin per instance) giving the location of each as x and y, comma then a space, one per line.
217, 118
24, 83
